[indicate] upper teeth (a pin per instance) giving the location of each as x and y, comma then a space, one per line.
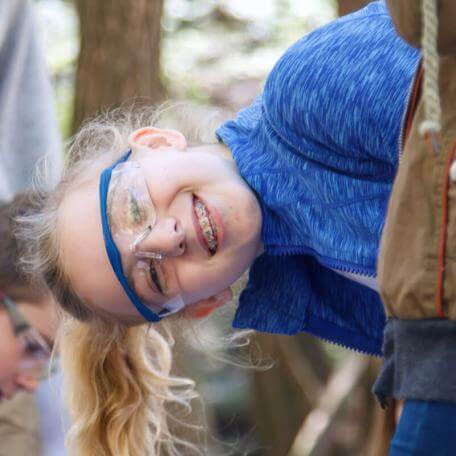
207, 225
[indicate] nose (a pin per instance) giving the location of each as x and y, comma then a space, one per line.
167, 237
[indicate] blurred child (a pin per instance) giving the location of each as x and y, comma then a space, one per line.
27, 329
143, 226
28, 130
25, 347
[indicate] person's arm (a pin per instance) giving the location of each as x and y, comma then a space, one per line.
406, 15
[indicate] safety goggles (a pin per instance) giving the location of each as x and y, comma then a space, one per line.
35, 351
128, 217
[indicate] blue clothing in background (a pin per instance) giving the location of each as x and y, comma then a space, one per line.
28, 124
320, 148
425, 428
54, 417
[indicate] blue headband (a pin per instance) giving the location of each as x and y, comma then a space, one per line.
111, 249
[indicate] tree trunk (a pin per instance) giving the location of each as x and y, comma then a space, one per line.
119, 58
285, 394
348, 6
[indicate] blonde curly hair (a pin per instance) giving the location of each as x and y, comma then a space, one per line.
119, 381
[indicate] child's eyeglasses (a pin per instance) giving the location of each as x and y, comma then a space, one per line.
129, 216
35, 351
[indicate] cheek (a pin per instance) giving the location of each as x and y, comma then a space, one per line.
247, 215
201, 281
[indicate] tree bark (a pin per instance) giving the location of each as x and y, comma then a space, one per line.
348, 6
119, 59
285, 394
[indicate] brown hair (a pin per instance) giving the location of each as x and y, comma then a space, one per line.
13, 281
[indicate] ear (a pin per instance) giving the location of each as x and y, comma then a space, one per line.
156, 138
206, 306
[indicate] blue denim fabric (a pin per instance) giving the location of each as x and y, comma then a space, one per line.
320, 148
425, 428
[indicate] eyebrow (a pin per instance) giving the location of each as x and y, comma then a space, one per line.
134, 207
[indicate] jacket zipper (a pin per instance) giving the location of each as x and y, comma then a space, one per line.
347, 347
277, 250
331, 263
403, 122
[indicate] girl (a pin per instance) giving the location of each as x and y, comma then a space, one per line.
143, 226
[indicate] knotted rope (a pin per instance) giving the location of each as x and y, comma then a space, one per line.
432, 123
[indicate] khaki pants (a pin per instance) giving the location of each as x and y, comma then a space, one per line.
19, 426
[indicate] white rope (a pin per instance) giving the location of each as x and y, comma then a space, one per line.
432, 122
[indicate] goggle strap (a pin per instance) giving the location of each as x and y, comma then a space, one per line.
111, 249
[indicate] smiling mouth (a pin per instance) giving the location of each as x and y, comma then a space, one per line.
207, 225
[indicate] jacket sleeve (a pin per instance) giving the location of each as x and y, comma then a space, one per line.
406, 15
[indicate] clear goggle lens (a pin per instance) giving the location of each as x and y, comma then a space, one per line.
36, 355
132, 217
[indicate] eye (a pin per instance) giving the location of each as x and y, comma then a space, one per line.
33, 349
154, 275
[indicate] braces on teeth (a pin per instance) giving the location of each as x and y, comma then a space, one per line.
207, 225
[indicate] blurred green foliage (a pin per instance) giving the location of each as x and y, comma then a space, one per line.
206, 44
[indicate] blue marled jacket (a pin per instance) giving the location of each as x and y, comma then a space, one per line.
320, 149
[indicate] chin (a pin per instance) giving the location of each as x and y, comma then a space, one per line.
251, 225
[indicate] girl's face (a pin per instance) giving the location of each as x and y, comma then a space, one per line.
176, 177
13, 351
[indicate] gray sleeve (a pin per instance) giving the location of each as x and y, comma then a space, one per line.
28, 127
419, 361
